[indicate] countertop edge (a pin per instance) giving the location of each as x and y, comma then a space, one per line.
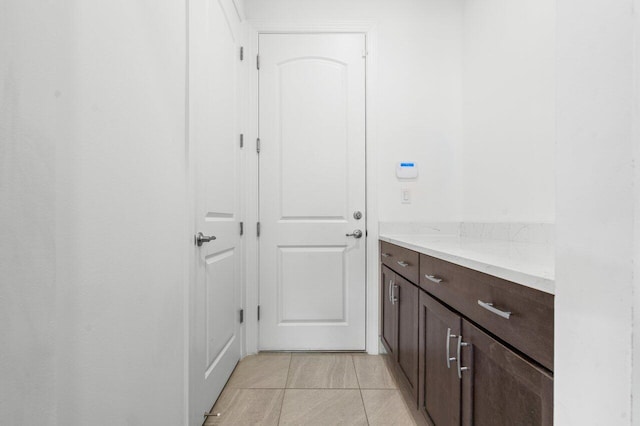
543, 284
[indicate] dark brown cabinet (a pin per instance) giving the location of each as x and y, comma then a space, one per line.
501, 387
404, 261
407, 296
389, 314
439, 385
472, 349
399, 326
468, 377
529, 327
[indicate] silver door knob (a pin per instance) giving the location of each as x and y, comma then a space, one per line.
201, 239
356, 234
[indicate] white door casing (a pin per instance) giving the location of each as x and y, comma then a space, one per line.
214, 330
312, 180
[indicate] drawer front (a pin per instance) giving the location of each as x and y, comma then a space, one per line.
403, 261
435, 273
529, 326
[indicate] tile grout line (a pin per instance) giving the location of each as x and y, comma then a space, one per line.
279, 388
323, 388
364, 407
284, 391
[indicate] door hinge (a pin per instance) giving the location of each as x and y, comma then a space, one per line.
241, 228
258, 312
241, 316
258, 229
258, 62
258, 145
241, 140
242, 53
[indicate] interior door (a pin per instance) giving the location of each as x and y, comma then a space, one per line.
215, 298
312, 184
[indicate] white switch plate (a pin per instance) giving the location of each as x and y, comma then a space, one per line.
405, 196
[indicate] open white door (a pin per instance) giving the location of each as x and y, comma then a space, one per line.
312, 186
215, 340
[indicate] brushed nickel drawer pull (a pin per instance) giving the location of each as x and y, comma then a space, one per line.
433, 278
385, 254
460, 367
489, 307
402, 263
449, 337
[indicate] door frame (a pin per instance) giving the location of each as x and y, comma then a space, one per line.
253, 30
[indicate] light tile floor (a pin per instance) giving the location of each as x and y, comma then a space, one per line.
311, 389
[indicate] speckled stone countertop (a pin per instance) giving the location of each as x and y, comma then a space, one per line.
529, 264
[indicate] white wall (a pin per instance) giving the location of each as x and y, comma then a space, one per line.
595, 213
92, 132
636, 234
123, 219
508, 111
466, 89
417, 94
35, 44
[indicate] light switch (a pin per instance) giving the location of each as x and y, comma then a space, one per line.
405, 196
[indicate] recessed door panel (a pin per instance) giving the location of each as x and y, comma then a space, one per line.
311, 285
214, 123
314, 152
221, 304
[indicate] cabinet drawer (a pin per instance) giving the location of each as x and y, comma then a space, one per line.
529, 327
403, 261
435, 273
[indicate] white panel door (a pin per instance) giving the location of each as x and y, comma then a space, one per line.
312, 181
215, 300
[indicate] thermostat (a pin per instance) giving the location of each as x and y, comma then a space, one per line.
407, 170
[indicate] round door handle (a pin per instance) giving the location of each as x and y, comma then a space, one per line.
356, 234
201, 239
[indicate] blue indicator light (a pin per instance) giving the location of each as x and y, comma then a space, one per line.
407, 164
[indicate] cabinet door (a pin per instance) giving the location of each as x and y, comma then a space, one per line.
439, 385
389, 312
407, 298
500, 387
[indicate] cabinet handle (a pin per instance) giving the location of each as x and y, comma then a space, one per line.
389, 292
460, 368
385, 254
449, 337
433, 278
489, 307
402, 263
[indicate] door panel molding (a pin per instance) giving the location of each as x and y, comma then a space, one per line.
330, 300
